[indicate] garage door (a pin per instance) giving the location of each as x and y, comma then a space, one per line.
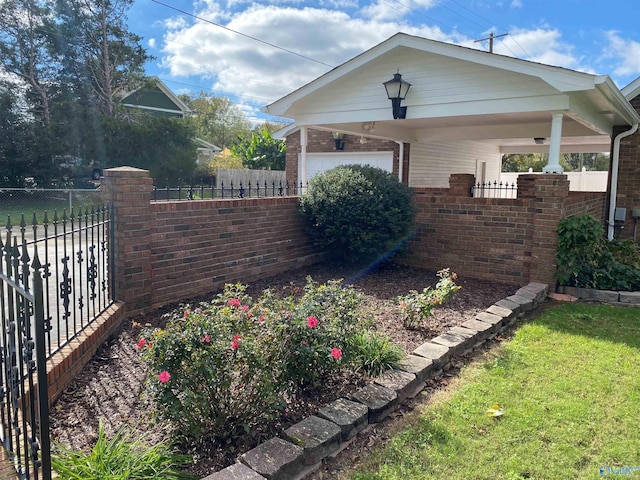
319, 162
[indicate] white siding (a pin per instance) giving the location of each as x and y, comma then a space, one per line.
435, 79
430, 164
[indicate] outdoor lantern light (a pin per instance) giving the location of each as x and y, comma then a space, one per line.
397, 91
539, 140
338, 137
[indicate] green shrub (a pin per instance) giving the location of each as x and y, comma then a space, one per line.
121, 458
359, 212
585, 259
416, 306
226, 367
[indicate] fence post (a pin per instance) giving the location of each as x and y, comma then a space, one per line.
549, 193
461, 184
129, 191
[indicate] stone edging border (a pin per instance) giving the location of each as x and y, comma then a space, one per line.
606, 296
306, 443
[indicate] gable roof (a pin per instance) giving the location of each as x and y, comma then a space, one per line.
632, 90
458, 93
155, 96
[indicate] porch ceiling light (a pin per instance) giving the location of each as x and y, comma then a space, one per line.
338, 137
397, 90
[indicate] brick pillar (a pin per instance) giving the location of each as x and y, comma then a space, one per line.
461, 184
129, 191
549, 193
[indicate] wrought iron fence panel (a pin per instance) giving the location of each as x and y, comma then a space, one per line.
495, 189
241, 190
24, 407
77, 279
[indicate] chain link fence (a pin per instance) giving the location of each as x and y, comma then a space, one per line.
14, 202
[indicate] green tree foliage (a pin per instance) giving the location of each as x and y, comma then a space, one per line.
518, 162
260, 150
361, 213
162, 145
217, 120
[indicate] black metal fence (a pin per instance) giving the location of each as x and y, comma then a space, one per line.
495, 189
55, 279
24, 407
250, 190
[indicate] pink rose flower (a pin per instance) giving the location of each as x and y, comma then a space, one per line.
312, 322
141, 343
336, 353
164, 377
234, 302
206, 338
235, 344
245, 307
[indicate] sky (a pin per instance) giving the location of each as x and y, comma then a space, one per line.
255, 52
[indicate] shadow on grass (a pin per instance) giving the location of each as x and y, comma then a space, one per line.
605, 322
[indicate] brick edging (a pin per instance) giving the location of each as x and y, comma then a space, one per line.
306, 443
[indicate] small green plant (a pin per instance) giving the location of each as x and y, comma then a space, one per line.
121, 458
416, 306
361, 213
226, 367
375, 354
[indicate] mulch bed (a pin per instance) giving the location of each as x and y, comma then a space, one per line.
110, 387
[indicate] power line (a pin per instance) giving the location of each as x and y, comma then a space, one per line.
243, 34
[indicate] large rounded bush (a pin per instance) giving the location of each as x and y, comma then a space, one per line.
360, 212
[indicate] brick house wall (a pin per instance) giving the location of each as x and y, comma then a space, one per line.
628, 194
321, 141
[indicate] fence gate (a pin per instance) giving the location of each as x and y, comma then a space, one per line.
24, 408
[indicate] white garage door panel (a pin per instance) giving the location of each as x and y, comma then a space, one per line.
320, 162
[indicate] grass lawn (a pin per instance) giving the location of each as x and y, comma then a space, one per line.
569, 386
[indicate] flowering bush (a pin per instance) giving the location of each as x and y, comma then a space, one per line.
226, 366
418, 306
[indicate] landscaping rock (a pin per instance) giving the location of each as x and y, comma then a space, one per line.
483, 330
380, 400
421, 367
350, 416
496, 321
632, 298
317, 436
605, 296
236, 471
526, 303
514, 307
535, 290
403, 383
438, 354
455, 343
275, 459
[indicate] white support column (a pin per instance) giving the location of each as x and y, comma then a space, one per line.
302, 174
553, 164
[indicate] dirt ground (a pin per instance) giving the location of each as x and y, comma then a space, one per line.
110, 388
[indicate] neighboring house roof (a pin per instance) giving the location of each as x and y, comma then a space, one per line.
632, 90
155, 97
460, 93
203, 144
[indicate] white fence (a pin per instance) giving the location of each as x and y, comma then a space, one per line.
583, 181
235, 177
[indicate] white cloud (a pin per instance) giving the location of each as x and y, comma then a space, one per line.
625, 53
152, 43
384, 10
516, 4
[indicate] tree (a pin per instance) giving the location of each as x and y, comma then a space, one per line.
224, 159
261, 151
100, 52
26, 50
518, 162
217, 120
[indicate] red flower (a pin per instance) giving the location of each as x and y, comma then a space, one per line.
245, 307
206, 338
312, 322
235, 344
261, 318
234, 302
164, 377
336, 353
141, 343
186, 313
